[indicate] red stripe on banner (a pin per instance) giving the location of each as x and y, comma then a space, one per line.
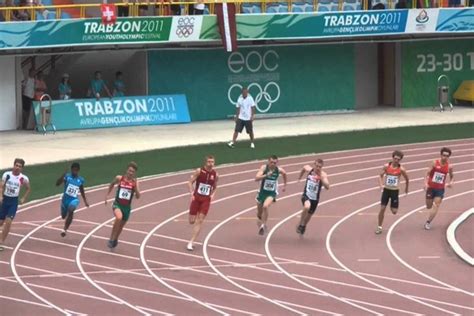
227, 25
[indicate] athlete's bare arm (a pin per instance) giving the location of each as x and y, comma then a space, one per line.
382, 174
283, 174
61, 179
405, 175
138, 194
111, 186
237, 112
451, 177
427, 175
214, 188
260, 174
193, 179
27, 192
2, 188
304, 170
83, 193
325, 180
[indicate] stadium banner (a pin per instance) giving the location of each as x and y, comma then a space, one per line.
115, 112
423, 63
282, 80
312, 25
283, 26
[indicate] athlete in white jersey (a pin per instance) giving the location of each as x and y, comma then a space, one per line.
315, 180
10, 187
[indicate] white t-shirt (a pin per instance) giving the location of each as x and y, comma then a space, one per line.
29, 87
13, 184
245, 106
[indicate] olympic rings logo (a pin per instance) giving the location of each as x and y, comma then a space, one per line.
185, 26
262, 94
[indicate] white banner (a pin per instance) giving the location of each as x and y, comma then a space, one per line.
422, 21
185, 28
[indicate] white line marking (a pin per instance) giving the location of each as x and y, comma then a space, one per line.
394, 253
429, 257
368, 260
451, 236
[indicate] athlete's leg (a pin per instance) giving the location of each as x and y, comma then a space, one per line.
381, 214
197, 227
116, 226
6, 229
266, 205
305, 216
259, 213
434, 210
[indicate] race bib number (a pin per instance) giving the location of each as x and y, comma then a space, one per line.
204, 189
269, 185
438, 178
311, 188
125, 194
72, 190
12, 191
391, 181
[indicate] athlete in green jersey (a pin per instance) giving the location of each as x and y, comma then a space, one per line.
268, 175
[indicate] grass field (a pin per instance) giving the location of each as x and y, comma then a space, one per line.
101, 170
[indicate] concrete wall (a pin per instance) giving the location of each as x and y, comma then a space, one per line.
366, 76
8, 104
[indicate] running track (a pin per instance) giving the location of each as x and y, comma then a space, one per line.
339, 267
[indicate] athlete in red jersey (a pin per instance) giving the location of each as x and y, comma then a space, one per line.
202, 186
389, 183
435, 182
127, 187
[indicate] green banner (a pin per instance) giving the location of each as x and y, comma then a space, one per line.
281, 79
424, 62
84, 32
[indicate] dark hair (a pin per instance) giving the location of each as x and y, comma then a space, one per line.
209, 157
97, 72
320, 161
274, 157
133, 164
445, 150
75, 165
397, 153
20, 161
118, 73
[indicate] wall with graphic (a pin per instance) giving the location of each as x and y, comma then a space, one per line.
281, 79
423, 63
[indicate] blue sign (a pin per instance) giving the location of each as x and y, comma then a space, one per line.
115, 112
455, 20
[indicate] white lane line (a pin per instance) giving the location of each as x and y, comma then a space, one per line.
331, 253
445, 303
174, 174
454, 143
368, 260
451, 237
403, 262
267, 241
9, 298
429, 257
208, 260
384, 307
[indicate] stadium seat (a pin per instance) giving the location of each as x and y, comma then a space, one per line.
351, 5
250, 8
302, 7
277, 8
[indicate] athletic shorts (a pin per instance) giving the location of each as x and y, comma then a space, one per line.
262, 196
432, 193
200, 204
8, 208
391, 195
239, 126
313, 203
67, 205
125, 209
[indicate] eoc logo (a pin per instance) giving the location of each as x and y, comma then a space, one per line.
185, 27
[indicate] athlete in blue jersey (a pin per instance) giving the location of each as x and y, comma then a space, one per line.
73, 184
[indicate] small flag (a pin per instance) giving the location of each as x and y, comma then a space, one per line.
109, 15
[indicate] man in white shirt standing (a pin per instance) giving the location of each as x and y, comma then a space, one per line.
28, 95
244, 116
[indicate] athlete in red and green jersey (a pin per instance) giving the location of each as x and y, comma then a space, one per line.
127, 187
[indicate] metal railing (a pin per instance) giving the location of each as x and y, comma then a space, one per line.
163, 8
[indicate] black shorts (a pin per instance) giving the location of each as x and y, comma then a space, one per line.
313, 203
239, 126
389, 194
